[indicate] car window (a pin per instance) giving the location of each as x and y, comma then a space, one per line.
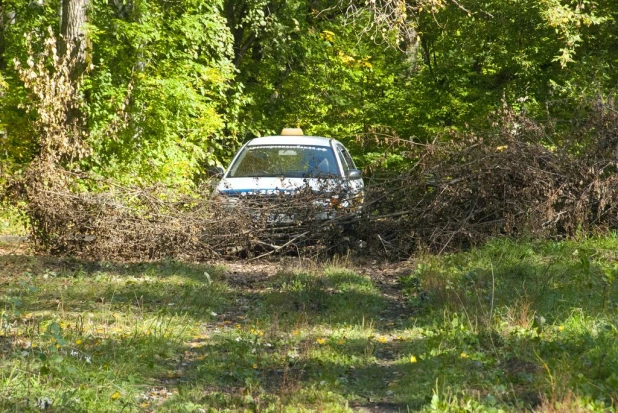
290, 161
346, 159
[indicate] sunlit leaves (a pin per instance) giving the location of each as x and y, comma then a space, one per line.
567, 20
177, 57
175, 86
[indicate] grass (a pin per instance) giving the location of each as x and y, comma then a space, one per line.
12, 222
511, 326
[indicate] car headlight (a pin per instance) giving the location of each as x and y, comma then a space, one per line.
350, 202
335, 202
226, 201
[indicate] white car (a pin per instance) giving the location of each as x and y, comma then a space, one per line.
317, 172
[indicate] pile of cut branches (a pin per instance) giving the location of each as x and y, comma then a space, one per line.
142, 223
510, 183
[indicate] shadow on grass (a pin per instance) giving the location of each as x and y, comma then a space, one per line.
519, 373
479, 335
336, 298
73, 267
76, 286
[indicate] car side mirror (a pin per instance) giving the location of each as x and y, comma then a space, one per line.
215, 172
354, 174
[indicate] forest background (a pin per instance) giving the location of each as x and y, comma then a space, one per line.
169, 88
471, 119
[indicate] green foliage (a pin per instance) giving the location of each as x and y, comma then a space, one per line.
12, 220
516, 50
159, 81
156, 88
455, 75
18, 140
174, 87
322, 79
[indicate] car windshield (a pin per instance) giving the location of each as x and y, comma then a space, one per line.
290, 161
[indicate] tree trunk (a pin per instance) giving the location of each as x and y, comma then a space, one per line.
72, 44
2, 45
72, 33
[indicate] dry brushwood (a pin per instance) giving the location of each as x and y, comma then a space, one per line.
152, 223
509, 183
453, 195
56, 103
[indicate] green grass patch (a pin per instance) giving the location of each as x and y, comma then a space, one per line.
508, 327
12, 221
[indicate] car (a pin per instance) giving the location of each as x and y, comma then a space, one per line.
292, 178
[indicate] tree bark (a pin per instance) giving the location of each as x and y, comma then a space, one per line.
72, 45
234, 12
2, 44
72, 40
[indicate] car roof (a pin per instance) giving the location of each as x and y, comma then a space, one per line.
291, 140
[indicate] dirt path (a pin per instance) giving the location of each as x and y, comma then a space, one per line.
251, 282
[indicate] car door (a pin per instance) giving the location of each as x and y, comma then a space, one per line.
354, 187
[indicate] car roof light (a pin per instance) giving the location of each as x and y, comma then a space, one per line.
292, 132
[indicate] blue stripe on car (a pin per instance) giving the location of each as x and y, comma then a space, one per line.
260, 191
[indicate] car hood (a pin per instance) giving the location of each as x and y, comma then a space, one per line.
274, 186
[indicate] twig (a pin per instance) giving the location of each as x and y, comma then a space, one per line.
280, 247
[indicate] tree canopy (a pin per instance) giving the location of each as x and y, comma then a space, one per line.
170, 88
